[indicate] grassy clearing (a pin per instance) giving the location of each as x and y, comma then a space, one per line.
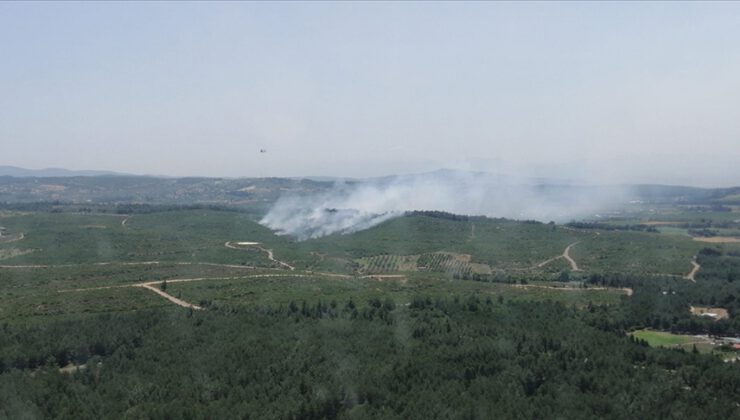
670, 230
702, 344
664, 339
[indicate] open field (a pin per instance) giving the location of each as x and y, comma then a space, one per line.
660, 338
702, 343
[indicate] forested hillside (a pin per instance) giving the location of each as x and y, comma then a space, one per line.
464, 356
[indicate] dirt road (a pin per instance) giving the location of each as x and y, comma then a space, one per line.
566, 255
269, 252
544, 263
627, 291
168, 296
692, 274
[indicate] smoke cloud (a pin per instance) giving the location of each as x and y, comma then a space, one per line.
349, 207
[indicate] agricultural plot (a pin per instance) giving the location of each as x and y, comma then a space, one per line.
455, 265
452, 264
387, 264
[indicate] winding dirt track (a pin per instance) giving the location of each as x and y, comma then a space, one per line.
20, 237
169, 297
692, 274
269, 252
566, 256
544, 263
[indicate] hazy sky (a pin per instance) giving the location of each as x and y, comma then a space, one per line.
622, 92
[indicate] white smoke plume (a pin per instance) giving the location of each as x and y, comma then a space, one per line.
349, 207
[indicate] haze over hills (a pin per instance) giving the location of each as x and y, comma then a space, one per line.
306, 208
369, 210
15, 171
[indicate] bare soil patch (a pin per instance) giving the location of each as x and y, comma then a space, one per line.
72, 368
692, 274
717, 239
167, 296
714, 313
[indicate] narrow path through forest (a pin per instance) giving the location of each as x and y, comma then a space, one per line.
692, 274
566, 255
168, 296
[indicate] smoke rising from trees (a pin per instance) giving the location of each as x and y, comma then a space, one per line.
353, 206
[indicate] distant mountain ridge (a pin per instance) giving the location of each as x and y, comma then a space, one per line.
17, 172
